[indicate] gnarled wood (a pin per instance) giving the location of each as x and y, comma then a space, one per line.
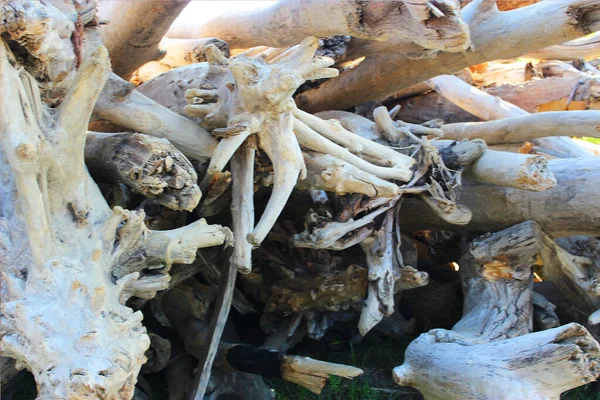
147, 165
66, 258
493, 338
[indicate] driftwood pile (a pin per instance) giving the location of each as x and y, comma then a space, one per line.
307, 163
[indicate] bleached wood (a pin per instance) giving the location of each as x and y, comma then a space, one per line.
334, 131
242, 207
135, 30
537, 366
473, 100
391, 22
587, 48
66, 259
520, 171
486, 106
528, 127
378, 77
565, 210
121, 104
490, 353
325, 172
311, 140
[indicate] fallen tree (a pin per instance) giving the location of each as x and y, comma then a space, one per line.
376, 78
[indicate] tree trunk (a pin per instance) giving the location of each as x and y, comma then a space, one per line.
564, 210
377, 78
490, 353
60, 237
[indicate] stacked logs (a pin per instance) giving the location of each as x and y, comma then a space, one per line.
424, 182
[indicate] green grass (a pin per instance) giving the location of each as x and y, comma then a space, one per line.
591, 140
581, 393
337, 389
377, 356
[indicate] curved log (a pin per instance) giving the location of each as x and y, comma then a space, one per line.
135, 30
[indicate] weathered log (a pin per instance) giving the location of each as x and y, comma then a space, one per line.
564, 210
433, 25
377, 78
121, 104
135, 30
149, 166
586, 48
528, 127
520, 171
493, 338
497, 277
538, 365
488, 107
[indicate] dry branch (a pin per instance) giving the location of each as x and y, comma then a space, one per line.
147, 165
121, 104
486, 106
528, 127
